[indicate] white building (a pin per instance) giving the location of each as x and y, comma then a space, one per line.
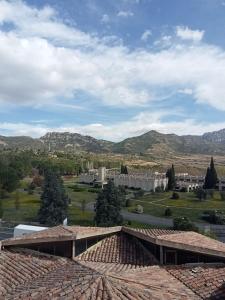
146, 182
21, 229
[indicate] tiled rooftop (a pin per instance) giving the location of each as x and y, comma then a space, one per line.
119, 248
206, 280
193, 241
20, 265
117, 267
186, 240
61, 233
71, 280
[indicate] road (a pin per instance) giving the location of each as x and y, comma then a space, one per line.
219, 230
5, 233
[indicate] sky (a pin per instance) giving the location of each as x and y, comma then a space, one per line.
112, 69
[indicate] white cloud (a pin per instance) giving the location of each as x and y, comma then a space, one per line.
44, 23
138, 125
186, 33
146, 34
125, 14
42, 71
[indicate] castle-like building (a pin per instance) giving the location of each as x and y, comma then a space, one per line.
147, 181
144, 181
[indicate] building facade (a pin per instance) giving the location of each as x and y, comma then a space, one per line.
144, 181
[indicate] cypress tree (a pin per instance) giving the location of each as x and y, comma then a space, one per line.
108, 206
124, 169
207, 179
54, 201
214, 178
211, 178
170, 174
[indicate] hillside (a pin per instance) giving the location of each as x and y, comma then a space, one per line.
169, 143
75, 142
215, 136
20, 142
151, 143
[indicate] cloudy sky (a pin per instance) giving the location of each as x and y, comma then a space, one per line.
113, 68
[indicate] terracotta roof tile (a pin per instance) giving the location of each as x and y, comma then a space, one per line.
75, 281
206, 280
153, 233
193, 241
119, 248
61, 232
19, 265
186, 240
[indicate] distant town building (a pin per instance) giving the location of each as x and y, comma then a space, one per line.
144, 181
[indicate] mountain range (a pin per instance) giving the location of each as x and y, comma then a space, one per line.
151, 142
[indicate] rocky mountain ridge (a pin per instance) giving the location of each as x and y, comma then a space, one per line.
147, 143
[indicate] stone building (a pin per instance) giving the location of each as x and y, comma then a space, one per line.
146, 182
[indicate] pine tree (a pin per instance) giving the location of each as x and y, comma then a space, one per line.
211, 178
124, 169
170, 174
108, 206
54, 201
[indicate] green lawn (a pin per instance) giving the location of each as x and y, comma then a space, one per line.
29, 205
188, 205
27, 211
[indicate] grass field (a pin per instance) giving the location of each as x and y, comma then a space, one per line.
28, 206
187, 205
154, 204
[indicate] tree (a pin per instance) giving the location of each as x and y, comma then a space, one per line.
108, 206
37, 181
175, 196
211, 178
54, 201
124, 169
168, 212
170, 174
9, 179
183, 223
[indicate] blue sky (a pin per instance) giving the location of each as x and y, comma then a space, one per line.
112, 69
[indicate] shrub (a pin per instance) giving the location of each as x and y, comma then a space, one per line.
32, 186
183, 223
129, 203
30, 192
159, 189
38, 181
76, 188
175, 196
183, 190
139, 193
168, 212
93, 190
139, 209
214, 217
